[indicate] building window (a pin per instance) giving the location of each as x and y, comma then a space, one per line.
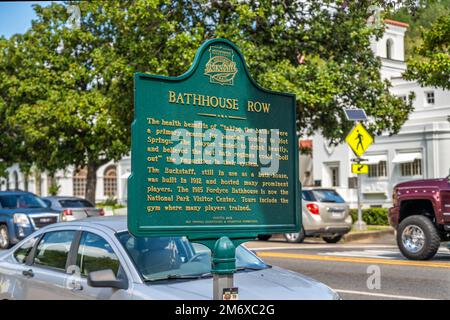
110, 182
378, 170
389, 48
429, 97
404, 98
411, 168
334, 176
79, 183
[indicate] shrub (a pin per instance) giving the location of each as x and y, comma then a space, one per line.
110, 202
372, 216
54, 189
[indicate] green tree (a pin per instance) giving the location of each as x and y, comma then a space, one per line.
419, 16
431, 64
339, 68
66, 102
70, 89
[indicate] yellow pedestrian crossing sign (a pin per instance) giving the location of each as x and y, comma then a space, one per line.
359, 168
359, 139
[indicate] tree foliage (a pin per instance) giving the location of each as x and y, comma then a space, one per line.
431, 64
420, 17
67, 92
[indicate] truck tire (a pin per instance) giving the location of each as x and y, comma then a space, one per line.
4, 237
264, 237
418, 238
296, 237
333, 239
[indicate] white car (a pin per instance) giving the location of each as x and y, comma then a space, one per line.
97, 258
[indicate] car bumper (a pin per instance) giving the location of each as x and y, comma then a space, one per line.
393, 214
329, 230
316, 226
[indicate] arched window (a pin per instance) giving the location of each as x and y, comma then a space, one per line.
110, 181
79, 183
389, 48
16, 180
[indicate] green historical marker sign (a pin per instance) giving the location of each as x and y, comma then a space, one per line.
213, 154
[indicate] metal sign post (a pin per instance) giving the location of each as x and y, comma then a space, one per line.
359, 141
223, 268
360, 224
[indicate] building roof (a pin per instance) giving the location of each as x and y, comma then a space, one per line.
306, 144
396, 23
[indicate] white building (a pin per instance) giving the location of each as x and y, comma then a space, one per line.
421, 150
111, 181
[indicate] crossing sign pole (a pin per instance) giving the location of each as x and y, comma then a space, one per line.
360, 224
359, 141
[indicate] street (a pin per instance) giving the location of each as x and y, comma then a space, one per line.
344, 267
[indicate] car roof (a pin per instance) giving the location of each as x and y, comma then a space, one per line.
115, 223
63, 198
11, 193
317, 188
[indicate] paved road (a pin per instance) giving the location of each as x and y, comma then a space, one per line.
347, 268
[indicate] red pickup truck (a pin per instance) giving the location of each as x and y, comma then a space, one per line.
421, 216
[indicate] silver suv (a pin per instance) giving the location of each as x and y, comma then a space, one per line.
324, 213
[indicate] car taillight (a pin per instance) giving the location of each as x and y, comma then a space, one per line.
67, 212
101, 212
313, 208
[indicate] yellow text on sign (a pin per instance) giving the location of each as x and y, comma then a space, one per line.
359, 139
360, 168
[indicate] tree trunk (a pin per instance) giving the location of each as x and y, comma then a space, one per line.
25, 181
91, 182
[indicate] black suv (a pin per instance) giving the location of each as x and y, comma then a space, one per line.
22, 213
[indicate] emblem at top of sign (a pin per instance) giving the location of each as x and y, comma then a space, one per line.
221, 67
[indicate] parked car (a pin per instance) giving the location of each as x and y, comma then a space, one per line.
73, 208
109, 263
324, 213
22, 213
421, 216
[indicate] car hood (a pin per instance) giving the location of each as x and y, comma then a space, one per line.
423, 182
268, 284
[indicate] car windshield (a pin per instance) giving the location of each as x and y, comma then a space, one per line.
327, 196
75, 203
25, 201
159, 258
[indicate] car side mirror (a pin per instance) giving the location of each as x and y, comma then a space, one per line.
106, 279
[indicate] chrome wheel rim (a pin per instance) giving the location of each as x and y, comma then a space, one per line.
292, 236
413, 238
3, 238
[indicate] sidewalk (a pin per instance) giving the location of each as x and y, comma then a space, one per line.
368, 235
381, 233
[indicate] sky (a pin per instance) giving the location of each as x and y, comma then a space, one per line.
16, 16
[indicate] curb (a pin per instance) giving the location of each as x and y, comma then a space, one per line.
353, 236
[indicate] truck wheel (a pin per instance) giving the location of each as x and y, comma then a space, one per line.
417, 238
334, 239
296, 237
4, 237
264, 237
